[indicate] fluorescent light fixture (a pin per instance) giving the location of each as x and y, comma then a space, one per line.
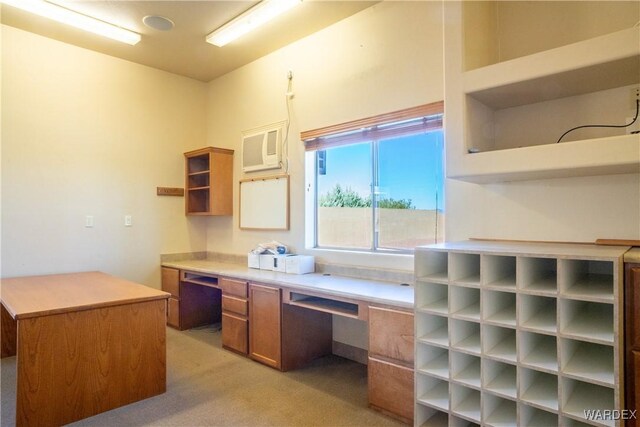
75, 19
249, 20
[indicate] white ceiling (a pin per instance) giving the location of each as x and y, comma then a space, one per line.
183, 50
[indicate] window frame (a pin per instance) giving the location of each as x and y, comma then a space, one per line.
320, 139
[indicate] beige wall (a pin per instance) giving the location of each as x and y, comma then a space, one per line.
574, 209
502, 30
87, 134
383, 59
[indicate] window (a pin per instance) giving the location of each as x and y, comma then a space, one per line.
380, 187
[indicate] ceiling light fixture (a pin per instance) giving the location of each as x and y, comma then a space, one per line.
75, 19
249, 20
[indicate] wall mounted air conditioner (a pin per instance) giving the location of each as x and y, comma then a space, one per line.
261, 148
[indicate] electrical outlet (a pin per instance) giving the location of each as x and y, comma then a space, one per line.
634, 95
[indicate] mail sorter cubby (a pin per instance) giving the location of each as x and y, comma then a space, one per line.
518, 334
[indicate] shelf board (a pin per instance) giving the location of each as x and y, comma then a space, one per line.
469, 312
543, 392
470, 375
438, 367
505, 350
470, 344
506, 316
543, 356
541, 418
437, 397
473, 280
469, 408
504, 284
592, 364
438, 307
438, 337
544, 285
596, 64
590, 327
439, 419
504, 384
199, 173
587, 396
198, 188
505, 414
543, 320
440, 277
592, 287
592, 157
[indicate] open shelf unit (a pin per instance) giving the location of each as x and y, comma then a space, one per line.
209, 181
505, 116
518, 353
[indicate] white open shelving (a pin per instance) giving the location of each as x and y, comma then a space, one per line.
532, 338
505, 117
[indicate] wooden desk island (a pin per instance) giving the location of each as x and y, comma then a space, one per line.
85, 343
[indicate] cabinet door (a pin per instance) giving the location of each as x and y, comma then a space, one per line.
391, 334
173, 313
171, 281
265, 331
234, 333
391, 388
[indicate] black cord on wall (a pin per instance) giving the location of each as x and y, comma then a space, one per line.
604, 126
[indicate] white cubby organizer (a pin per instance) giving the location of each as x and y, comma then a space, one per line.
520, 334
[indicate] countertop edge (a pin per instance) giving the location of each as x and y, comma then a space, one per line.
289, 281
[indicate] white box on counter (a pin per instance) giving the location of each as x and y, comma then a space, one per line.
300, 264
279, 262
266, 262
253, 260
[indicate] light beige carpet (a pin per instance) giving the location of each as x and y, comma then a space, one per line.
209, 386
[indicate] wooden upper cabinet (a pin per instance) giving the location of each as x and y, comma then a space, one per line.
209, 181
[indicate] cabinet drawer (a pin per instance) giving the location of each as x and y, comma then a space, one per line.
235, 333
391, 388
173, 313
171, 281
234, 305
233, 287
391, 334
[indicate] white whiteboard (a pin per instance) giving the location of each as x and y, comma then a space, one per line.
264, 203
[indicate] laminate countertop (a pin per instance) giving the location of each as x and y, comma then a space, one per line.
372, 291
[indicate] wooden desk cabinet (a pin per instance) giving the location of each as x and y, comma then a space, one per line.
390, 368
235, 315
266, 325
171, 284
195, 301
282, 335
632, 339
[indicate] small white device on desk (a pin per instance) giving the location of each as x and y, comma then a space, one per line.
300, 264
